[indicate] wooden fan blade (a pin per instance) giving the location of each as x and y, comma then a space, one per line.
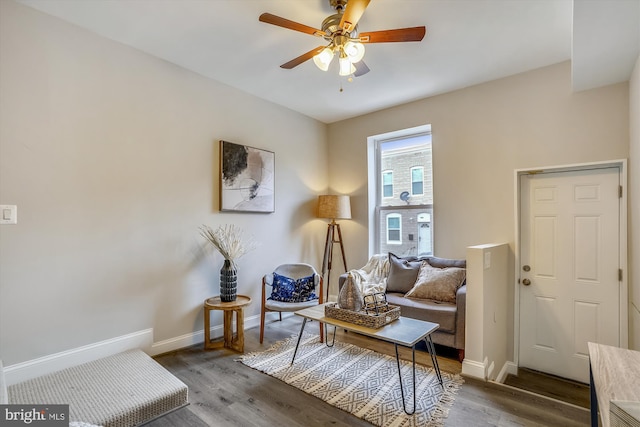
302, 58
352, 14
413, 34
291, 25
361, 69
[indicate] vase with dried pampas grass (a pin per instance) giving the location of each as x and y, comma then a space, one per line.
230, 241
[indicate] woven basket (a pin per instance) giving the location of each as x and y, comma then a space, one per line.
388, 314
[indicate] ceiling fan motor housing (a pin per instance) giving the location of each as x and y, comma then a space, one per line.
331, 26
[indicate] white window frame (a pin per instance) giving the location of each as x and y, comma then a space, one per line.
420, 168
374, 176
387, 218
382, 182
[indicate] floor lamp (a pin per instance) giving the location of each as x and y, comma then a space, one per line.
333, 207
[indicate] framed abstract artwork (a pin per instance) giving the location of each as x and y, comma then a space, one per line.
247, 182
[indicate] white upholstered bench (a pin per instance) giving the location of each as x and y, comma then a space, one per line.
124, 390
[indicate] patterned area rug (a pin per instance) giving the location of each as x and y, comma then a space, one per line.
359, 381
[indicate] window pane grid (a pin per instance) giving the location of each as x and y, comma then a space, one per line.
404, 210
406, 230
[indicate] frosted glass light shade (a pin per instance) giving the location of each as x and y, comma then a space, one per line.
323, 59
346, 67
354, 50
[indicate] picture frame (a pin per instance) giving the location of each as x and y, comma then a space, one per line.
247, 178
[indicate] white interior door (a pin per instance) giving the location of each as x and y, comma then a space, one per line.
569, 269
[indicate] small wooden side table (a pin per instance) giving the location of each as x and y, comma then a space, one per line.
230, 341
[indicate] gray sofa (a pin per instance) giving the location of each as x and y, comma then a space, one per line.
450, 316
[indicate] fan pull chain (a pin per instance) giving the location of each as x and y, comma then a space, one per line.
349, 79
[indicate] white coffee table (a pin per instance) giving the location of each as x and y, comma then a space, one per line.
404, 331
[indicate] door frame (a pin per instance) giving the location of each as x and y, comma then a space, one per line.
621, 164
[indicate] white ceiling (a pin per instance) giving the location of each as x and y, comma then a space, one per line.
467, 42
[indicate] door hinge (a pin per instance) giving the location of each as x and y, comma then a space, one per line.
620, 192
619, 275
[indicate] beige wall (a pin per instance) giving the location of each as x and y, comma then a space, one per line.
111, 157
634, 207
481, 134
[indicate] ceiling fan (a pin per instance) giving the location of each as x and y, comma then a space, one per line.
345, 42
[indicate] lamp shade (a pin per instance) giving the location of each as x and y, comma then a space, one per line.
334, 207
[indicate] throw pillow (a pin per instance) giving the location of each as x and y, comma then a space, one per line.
402, 274
286, 289
439, 284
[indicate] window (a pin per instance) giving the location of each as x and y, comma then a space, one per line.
394, 229
401, 192
417, 181
387, 184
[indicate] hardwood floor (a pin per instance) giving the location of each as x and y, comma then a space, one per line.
551, 386
224, 392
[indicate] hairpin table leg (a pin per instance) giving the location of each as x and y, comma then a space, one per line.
413, 352
326, 333
431, 348
304, 322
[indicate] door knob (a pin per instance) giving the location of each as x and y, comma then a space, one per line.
526, 282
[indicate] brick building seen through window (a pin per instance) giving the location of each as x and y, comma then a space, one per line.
405, 207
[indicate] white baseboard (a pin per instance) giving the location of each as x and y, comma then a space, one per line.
507, 368
141, 339
54, 362
472, 368
193, 338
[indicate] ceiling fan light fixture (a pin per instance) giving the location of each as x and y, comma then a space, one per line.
323, 59
346, 67
340, 30
354, 50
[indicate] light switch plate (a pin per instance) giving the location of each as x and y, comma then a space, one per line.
8, 214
